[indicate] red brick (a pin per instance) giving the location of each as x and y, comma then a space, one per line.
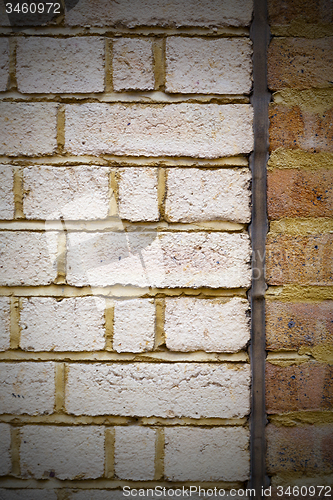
308, 386
312, 11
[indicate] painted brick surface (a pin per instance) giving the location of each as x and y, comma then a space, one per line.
134, 325
135, 453
6, 192
4, 64
200, 65
5, 453
209, 325
288, 11
75, 324
200, 130
66, 452
28, 129
170, 260
27, 388
132, 64
71, 193
138, 194
165, 390
28, 258
4, 323
198, 195
27, 494
60, 65
207, 454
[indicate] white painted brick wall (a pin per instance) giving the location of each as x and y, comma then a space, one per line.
27, 388
134, 325
6, 192
4, 64
138, 194
70, 452
199, 130
28, 129
132, 64
73, 324
27, 494
135, 453
5, 453
28, 258
158, 389
208, 66
199, 195
170, 260
4, 323
218, 454
210, 325
72, 193
60, 65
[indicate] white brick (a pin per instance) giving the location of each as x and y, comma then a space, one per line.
201, 65
133, 64
138, 194
27, 388
72, 193
28, 129
199, 195
5, 454
28, 258
27, 494
74, 324
4, 323
134, 325
159, 259
199, 130
4, 64
158, 389
6, 192
218, 454
209, 325
161, 13
134, 453
68, 452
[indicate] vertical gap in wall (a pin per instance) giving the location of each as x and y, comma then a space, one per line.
159, 323
258, 229
108, 66
159, 454
109, 320
18, 193
60, 384
15, 331
159, 63
109, 452
16, 444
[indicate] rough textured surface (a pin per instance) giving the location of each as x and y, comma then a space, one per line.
75, 324
208, 325
5, 454
65, 452
62, 65
199, 130
159, 389
28, 258
27, 388
28, 129
159, 259
6, 192
27, 494
311, 11
4, 323
138, 194
134, 453
4, 64
72, 193
134, 325
199, 195
132, 64
116, 495
207, 454
199, 65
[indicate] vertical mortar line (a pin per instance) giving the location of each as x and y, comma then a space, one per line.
159, 323
15, 450
62, 255
159, 63
60, 382
15, 331
109, 319
159, 454
109, 452
161, 191
61, 118
18, 193
258, 229
108, 65
12, 82
113, 190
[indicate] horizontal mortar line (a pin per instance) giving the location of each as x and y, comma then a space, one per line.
301, 417
301, 226
299, 293
287, 356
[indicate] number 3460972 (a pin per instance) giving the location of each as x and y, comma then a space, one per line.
33, 8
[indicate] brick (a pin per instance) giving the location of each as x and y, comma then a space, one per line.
293, 325
297, 193
215, 454
132, 64
199, 195
305, 260
308, 386
134, 453
4, 64
159, 259
28, 494
134, 325
209, 325
71, 193
27, 388
74, 324
6, 192
300, 449
158, 389
300, 63
288, 11
173, 13
5, 454
116, 494
62, 452
28, 258
4, 323
138, 194
199, 130
213, 66
293, 128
